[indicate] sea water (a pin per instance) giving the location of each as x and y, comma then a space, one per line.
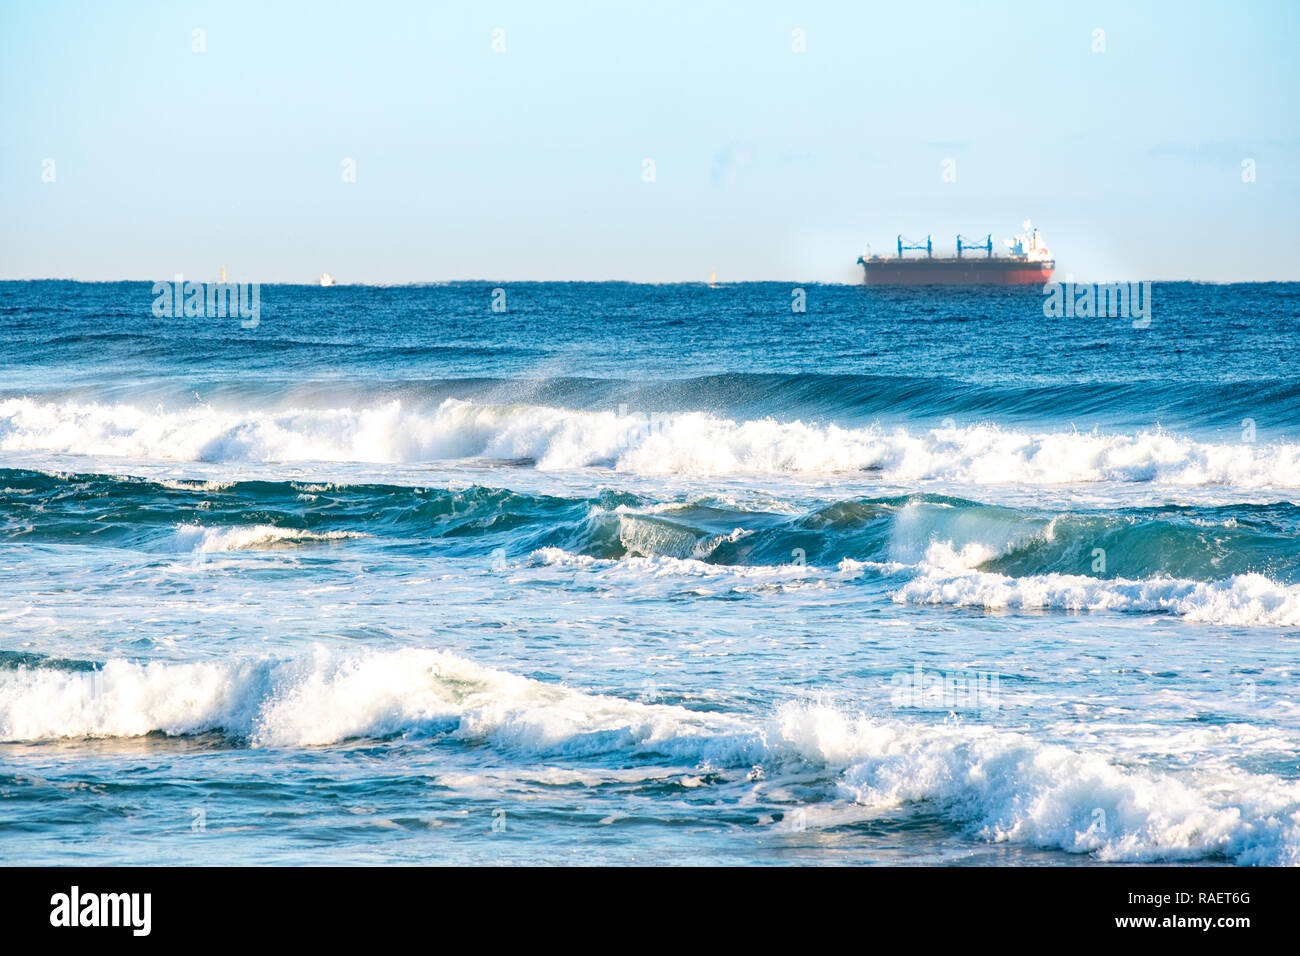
616, 573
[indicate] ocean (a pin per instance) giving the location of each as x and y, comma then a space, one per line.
607, 573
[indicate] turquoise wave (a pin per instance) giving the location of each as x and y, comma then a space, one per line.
1188, 542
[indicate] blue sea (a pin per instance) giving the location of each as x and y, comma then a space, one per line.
607, 573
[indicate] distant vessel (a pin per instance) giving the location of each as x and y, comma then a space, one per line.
326, 279
1028, 262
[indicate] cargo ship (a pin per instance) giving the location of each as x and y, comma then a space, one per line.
1027, 262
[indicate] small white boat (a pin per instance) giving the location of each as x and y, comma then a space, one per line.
326, 279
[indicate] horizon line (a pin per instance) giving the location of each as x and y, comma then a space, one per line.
649, 282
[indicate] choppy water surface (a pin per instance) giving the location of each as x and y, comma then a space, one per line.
649, 574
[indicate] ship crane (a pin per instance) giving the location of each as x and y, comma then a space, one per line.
928, 246
971, 244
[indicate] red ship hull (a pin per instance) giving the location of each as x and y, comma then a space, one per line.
929, 271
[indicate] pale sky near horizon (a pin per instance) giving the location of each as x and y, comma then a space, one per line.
529, 163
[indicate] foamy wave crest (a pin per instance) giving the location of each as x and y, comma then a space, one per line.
258, 537
679, 443
1245, 599
998, 785
661, 565
700, 578
326, 698
1004, 787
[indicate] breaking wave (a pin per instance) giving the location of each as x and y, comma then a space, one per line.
251, 538
684, 443
998, 785
1222, 564
1247, 599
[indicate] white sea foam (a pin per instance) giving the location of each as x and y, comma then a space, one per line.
1006, 787
688, 443
324, 698
632, 570
125, 699
1244, 599
260, 537
998, 785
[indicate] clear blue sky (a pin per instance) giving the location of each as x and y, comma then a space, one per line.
527, 164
